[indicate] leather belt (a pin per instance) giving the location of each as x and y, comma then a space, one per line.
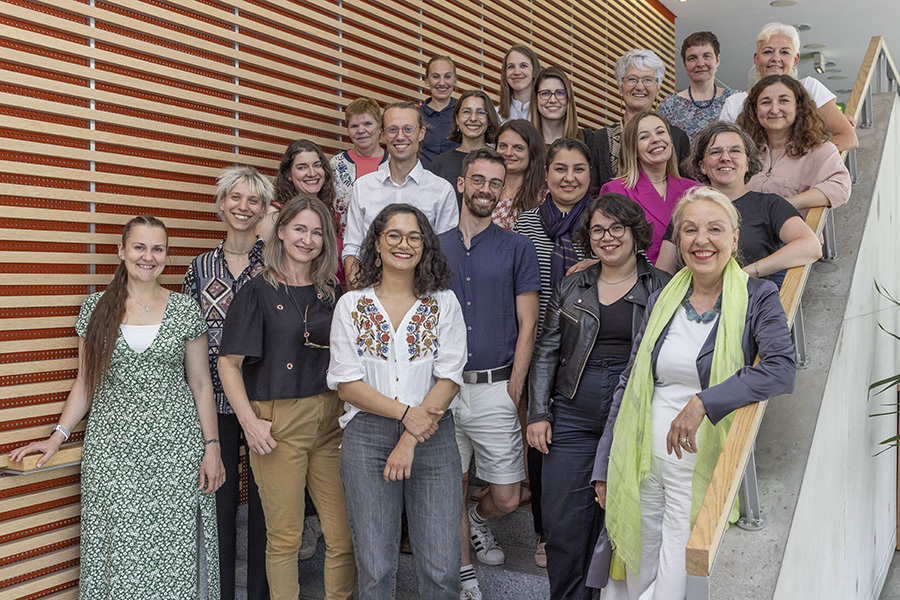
489, 376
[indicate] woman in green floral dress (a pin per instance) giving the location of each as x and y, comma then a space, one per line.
151, 459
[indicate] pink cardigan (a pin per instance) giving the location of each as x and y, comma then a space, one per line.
659, 211
821, 168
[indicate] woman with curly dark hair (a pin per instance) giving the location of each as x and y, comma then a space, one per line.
584, 346
798, 162
305, 170
398, 347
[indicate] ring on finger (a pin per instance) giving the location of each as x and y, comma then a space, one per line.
683, 440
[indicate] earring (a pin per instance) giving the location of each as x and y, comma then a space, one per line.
378, 261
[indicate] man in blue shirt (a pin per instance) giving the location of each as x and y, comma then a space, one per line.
497, 281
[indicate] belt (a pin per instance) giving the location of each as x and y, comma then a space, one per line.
489, 376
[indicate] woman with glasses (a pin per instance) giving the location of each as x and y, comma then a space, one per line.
475, 125
556, 116
584, 346
398, 347
640, 74
773, 235
272, 363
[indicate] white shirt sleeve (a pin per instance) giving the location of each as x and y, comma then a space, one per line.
820, 94
447, 213
345, 364
354, 233
451, 356
733, 106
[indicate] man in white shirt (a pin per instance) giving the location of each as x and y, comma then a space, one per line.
401, 179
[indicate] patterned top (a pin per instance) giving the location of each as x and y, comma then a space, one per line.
683, 113
506, 217
210, 283
344, 175
404, 364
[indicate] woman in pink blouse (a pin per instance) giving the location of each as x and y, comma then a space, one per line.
798, 162
649, 173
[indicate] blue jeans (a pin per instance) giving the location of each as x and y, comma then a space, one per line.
572, 519
433, 505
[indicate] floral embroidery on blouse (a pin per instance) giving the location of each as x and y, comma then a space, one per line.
374, 330
421, 333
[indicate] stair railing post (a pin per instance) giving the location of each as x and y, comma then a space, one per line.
829, 248
752, 516
799, 339
868, 120
697, 587
851, 165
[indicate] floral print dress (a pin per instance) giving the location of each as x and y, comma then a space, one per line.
140, 471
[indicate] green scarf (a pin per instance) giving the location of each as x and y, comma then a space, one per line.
629, 460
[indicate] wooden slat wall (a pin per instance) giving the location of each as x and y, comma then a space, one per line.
112, 109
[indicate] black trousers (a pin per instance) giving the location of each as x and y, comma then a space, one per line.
227, 500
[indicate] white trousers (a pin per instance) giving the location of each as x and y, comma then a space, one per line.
665, 530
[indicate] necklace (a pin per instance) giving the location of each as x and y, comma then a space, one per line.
227, 251
691, 313
627, 277
702, 104
146, 306
657, 182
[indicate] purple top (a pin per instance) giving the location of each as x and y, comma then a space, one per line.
659, 211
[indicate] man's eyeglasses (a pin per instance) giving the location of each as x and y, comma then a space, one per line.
479, 181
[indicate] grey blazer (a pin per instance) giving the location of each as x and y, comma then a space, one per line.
766, 334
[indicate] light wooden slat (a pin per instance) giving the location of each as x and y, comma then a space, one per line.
67, 216
45, 344
26, 479
29, 279
41, 540
76, 237
74, 258
37, 366
40, 584
69, 453
88, 197
33, 170
31, 433
32, 410
38, 563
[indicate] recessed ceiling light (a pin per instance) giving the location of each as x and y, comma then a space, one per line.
814, 46
844, 91
832, 70
803, 27
830, 63
836, 77
780, 3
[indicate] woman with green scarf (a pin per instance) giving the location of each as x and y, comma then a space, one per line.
692, 359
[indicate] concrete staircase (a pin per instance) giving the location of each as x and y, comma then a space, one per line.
518, 579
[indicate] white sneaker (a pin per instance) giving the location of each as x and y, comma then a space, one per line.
486, 547
312, 531
472, 593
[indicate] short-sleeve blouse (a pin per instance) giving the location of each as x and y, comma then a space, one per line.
684, 113
429, 344
268, 327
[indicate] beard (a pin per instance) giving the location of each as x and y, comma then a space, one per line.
477, 209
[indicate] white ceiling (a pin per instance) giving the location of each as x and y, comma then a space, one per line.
844, 26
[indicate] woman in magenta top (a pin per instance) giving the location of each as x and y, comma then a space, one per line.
649, 173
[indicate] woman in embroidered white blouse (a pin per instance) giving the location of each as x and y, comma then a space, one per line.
398, 347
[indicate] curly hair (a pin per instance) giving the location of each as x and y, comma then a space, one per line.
624, 210
808, 129
707, 137
284, 187
493, 121
432, 273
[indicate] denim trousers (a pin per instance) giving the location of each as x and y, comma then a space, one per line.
227, 500
572, 519
431, 497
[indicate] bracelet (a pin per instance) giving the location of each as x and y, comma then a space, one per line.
211, 441
404, 413
63, 430
757, 269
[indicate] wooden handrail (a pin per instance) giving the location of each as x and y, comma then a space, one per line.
713, 516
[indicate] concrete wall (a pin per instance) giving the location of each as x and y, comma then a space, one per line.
844, 528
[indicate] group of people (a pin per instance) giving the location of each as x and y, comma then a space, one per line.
491, 280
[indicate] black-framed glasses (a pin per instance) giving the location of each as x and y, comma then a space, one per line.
393, 238
479, 181
616, 230
545, 95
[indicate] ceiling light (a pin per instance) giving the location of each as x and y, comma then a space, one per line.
814, 46
832, 70
819, 62
830, 63
803, 27
780, 3
836, 77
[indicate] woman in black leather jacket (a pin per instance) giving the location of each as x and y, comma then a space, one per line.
584, 346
